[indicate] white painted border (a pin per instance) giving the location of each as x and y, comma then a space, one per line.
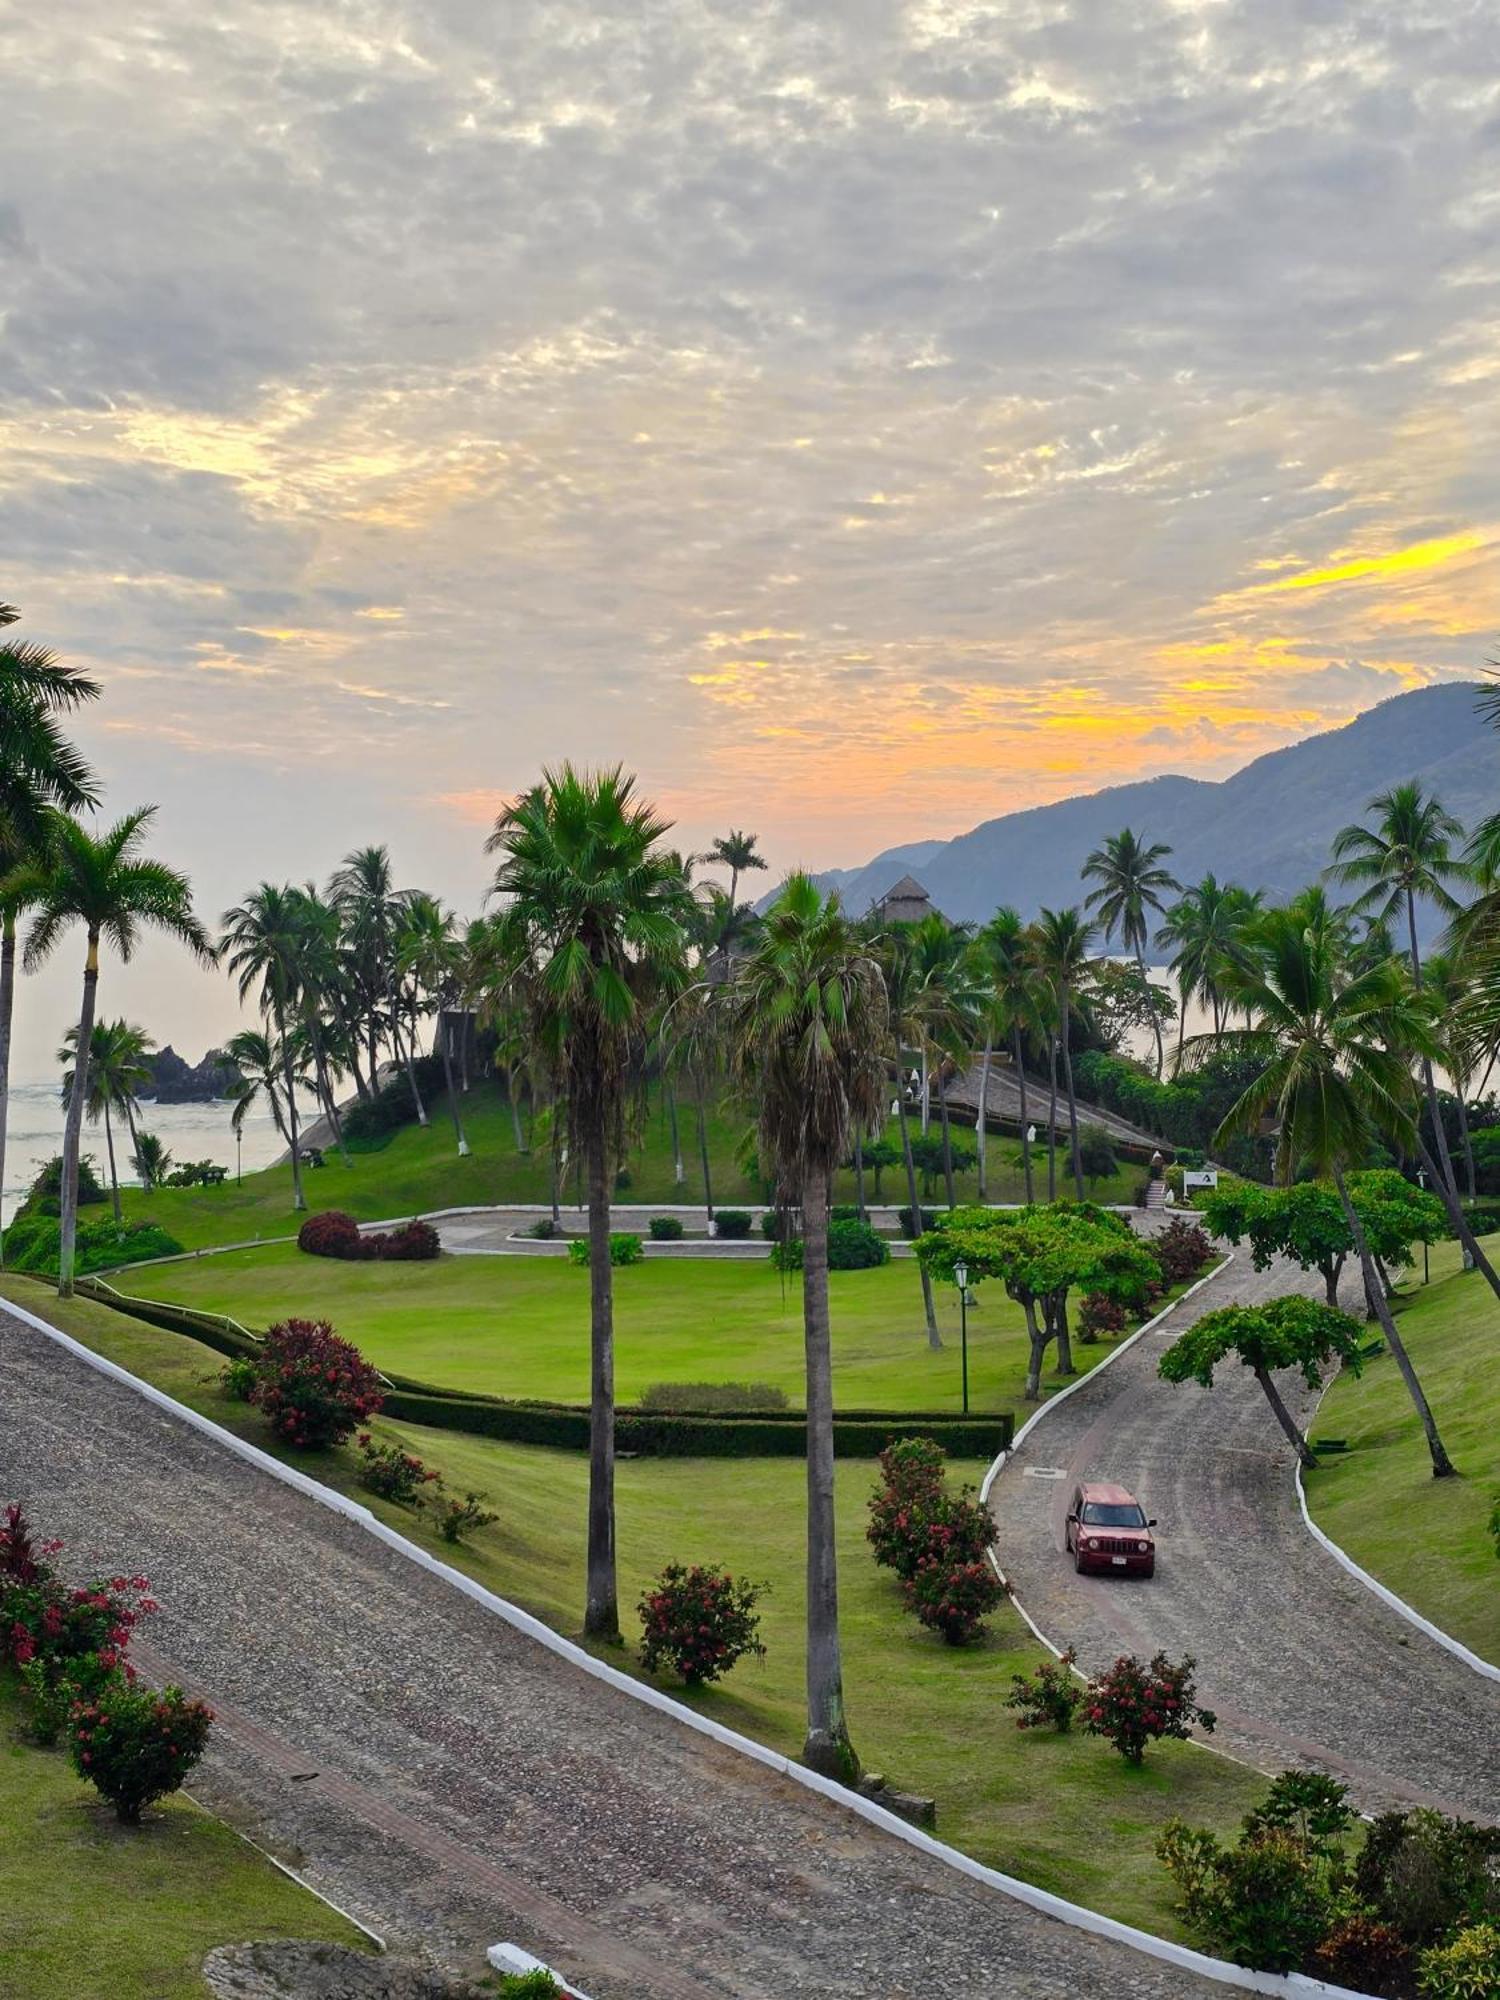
1041, 1900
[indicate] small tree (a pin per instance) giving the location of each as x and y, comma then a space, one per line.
136, 1745
699, 1620
1132, 1705
1293, 1332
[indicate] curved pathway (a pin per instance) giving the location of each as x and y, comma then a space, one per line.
451, 1782
1301, 1663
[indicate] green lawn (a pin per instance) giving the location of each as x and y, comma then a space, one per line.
930, 1717
1425, 1538
419, 1169
98, 1911
518, 1326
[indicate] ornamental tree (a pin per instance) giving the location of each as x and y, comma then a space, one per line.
1292, 1332
1307, 1222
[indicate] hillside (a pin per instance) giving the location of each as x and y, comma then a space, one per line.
1269, 826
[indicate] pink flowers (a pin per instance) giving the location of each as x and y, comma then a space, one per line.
1133, 1705
699, 1621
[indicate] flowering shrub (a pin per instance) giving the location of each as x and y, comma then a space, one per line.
1132, 1705
313, 1386
699, 1621
459, 1517
23, 1559
1466, 1968
952, 1597
237, 1378
1099, 1314
44, 1621
1183, 1248
54, 1687
1362, 1952
624, 1248
136, 1746
392, 1473
665, 1228
415, 1242
334, 1234
1049, 1698
913, 1471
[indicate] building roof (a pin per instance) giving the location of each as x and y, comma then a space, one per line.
905, 902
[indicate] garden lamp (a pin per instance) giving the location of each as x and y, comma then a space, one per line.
961, 1279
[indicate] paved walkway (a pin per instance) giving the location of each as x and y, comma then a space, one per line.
450, 1781
1301, 1662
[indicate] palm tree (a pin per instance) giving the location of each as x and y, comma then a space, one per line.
1006, 972
264, 944
896, 951
1131, 883
118, 1070
115, 892
430, 952
1060, 951
950, 1002
808, 1034
363, 891
262, 1066
1330, 1078
738, 853
594, 931
693, 1042
1202, 930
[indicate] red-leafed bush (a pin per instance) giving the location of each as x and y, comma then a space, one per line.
413, 1243
1132, 1705
23, 1559
1098, 1315
952, 1597
1363, 1952
334, 1234
699, 1621
137, 1746
393, 1473
313, 1386
1183, 1249
913, 1474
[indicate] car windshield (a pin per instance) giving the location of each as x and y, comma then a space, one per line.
1113, 1514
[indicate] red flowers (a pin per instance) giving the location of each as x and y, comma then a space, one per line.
1132, 1705
699, 1621
137, 1746
314, 1387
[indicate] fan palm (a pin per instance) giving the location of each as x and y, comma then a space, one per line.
1060, 941
115, 892
1131, 883
593, 931
1009, 978
264, 944
1330, 1078
808, 1029
118, 1071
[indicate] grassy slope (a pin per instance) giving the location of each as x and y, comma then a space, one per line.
929, 1716
420, 1170
518, 1326
1425, 1538
103, 1912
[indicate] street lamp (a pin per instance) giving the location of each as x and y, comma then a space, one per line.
961, 1279
239, 1139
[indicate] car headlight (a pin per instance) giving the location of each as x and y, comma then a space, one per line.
1093, 1542
1145, 1548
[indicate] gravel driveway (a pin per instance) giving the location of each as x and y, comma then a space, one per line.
1301, 1662
452, 1783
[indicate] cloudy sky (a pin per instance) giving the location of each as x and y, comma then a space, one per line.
860, 416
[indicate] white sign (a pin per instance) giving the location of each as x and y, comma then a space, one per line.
1207, 1178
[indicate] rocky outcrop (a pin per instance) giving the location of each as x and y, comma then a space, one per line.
291, 1971
176, 1081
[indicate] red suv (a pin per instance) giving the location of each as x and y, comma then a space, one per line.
1107, 1529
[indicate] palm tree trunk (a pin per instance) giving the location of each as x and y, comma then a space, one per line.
299, 1199
1052, 1120
1025, 1118
982, 1123
67, 1235
678, 1170
402, 1047
445, 1043
827, 1748
1442, 1465
1140, 959
708, 1186
859, 1174
556, 1182
1474, 1258
601, 1617
114, 1178
1295, 1437
1440, 1137
947, 1133
7, 1010
1468, 1143
1182, 1001
926, 1093
1067, 1054
929, 1307
515, 1110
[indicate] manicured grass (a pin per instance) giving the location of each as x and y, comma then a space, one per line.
98, 1911
420, 1170
519, 1326
1064, 1812
1425, 1538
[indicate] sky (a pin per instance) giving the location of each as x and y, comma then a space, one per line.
861, 417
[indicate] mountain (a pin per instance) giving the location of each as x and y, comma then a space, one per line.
1270, 826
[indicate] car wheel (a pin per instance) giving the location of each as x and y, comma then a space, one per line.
1078, 1561
1149, 1570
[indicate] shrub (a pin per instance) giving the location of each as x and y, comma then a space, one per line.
722, 1397
538, 1984
460, 1517
1049, 1698
952, 1597
699, 1621
137, 1746
44, 1621
1264, 1903
331, 1233
1466, 1968
665, 1228
313, 1386
854, 1246
55, 1687
913, 1476
1096, 1153
544, 1229
1098, 1314
926, 1218
31, 1244
845, 1211
776, 1223
392, 1107
415, 1242
624, 1248
237, 1378
23, 1559
1306, 1803
732, 1222
1183, 1248
1132, 1705
1424, 1873
787, 1256
1362, 1952
392, 1473
46, 1187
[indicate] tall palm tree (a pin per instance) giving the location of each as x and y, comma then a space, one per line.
1060, 951
808, 1034
1330, 1079
738, 852
115, 892
1131, 883
896, 950
1005, 970
264, 945
431, 953
1406, 857
950, 1002
118, 1072
362, 889
693, 1042
1202, 930
593, 927
262, 1066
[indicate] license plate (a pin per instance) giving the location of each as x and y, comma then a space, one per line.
1118, 1559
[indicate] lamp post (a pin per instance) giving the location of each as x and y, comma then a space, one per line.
961, 1279
1422, 1178
239, 1178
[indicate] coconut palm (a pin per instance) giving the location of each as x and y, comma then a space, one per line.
115, 892
262, 1066
1131, 883
808, 1035
692, 1042
949, 1005
118, 1071
593, 930
1011, 1013
1330, 1078
264, 944
362, 889
1060, 941
739, 853
430, 952
1202, 930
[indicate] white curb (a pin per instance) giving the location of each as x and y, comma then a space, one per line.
512, 1958
1042, 1900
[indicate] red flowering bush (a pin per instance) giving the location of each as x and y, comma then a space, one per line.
393, 1473
458, 1517
1049, 1698
1132, 1705
331, 1233
952, 1597
1183, 1249
699, 1621
1099, 1314
414, 1242
66, 1643
136, 1745
23, 1559
914, 1473
313, 1386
